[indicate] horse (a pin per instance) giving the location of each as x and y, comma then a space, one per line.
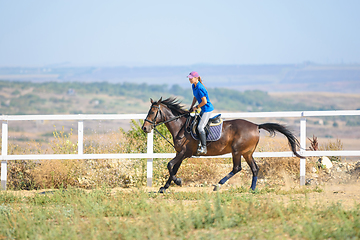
239, 137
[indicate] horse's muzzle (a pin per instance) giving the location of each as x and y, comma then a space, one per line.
146, 129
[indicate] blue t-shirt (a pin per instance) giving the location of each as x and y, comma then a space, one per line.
199, 92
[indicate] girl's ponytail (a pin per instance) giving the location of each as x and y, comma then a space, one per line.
201, 81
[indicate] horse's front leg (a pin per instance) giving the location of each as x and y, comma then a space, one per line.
173, 167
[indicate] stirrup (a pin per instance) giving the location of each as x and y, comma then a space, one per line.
202, 150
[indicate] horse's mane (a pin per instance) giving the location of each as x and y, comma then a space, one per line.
174, 105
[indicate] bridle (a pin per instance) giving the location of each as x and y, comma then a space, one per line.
154, 124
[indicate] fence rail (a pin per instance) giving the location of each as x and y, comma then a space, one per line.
150, 155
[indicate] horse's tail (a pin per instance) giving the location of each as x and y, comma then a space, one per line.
273, 127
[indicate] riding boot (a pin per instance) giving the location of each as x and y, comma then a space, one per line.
202, 149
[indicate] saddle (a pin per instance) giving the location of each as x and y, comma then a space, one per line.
213, 128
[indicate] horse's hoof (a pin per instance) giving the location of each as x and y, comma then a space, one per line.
162, 190
217, 187
178, 181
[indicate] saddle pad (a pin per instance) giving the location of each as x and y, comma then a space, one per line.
214, 133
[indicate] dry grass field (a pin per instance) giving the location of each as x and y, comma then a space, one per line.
326, 212
107, 199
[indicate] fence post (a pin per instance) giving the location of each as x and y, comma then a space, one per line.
4, 151
149, 164
80, 137
302, 149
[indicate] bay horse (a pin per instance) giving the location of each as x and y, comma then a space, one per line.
239, 137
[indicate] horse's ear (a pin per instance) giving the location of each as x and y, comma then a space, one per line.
152, 101
160, 100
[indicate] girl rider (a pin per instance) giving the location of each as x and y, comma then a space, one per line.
202, 97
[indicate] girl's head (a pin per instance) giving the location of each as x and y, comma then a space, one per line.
194, 77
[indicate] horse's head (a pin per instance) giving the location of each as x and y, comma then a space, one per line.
154, 116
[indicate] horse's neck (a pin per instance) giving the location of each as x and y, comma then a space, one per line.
175, 126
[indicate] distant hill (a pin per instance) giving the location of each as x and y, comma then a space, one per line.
24, 97
305, 77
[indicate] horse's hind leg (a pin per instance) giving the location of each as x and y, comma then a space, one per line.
254, 168
236, 168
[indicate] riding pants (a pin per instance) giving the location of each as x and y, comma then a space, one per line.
204, 120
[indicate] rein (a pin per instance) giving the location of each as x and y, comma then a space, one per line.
170, 120
164, 137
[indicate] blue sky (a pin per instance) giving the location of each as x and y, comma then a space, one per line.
162, 33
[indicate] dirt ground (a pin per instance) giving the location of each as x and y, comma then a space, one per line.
347, 194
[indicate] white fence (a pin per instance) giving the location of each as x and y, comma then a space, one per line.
150, 155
